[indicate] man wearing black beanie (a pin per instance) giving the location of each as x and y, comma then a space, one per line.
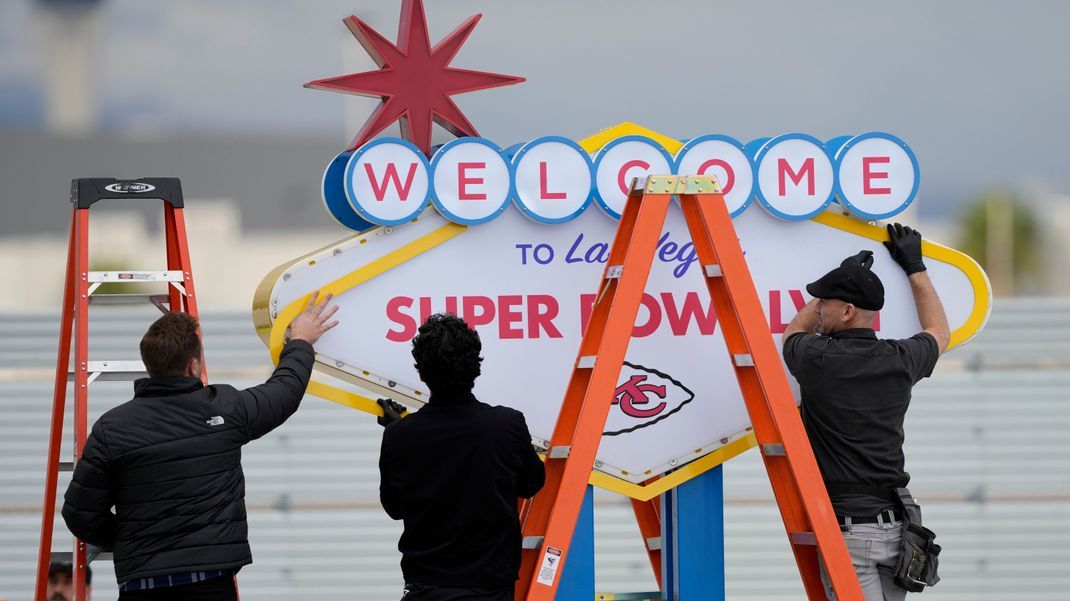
855, 392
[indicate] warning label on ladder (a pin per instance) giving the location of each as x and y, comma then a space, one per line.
550, 561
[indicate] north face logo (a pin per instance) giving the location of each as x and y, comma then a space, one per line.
215, 420
644, 396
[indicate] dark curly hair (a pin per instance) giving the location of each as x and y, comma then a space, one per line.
447, 354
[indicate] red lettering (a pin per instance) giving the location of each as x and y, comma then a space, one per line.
406, 322
451, 305
868, 175
624, 171
425, 308
653, 318
542, 309
379, 189
586, 308
776, 319
680, 320
463, 181
544, 188
783, 168
730, 175
486, 314
507, 316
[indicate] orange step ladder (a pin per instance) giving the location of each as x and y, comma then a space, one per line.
550, 518
80, 292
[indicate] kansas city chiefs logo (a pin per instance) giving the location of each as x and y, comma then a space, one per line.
644, 397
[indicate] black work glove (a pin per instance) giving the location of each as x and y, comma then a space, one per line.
392, 412
863, 259
905, 246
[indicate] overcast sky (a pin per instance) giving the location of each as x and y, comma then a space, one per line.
979, 90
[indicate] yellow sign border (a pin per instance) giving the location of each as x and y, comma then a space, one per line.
273, 331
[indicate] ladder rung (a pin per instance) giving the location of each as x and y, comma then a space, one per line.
773, 449
653, 543
743, 360
614, 271
714, 271
129, 299
66, 466
92, 554
531, 542
585, 362
654, 596
115, 370
136, 276
803, 538
559, 452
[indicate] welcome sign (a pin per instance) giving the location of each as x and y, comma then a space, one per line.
508, 239
553, 180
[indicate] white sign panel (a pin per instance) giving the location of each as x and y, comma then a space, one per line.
472, 180
723, 158
621, 161
528, 289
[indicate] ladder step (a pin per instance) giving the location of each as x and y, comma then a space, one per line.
121, 371
653, 543
773, 450
66, 466
614, 271
803, 538
136, 276
585, 362
129, 299
714, 271
654, 596
558, 452
531, 542
92, 554
743, 360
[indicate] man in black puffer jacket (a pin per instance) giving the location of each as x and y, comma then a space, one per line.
169, 462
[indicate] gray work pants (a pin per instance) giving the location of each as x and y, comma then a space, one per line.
874, 550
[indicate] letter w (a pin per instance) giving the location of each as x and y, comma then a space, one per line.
379, 188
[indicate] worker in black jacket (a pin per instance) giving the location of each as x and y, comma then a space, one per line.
453, 471
169, 462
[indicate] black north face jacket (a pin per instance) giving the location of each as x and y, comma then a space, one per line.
169, 462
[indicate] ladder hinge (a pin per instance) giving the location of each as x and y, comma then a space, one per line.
773, 449
803, 538
531, 542
653, 543
743, 360
585, 362
714, 271
558, 452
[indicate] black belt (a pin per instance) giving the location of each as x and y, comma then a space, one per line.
887, 516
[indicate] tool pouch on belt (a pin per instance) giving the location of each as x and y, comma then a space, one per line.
918, 554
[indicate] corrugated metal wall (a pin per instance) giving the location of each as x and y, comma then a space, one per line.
986, 444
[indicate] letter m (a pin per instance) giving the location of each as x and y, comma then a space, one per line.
783, 168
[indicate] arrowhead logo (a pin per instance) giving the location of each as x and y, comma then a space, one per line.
644, 397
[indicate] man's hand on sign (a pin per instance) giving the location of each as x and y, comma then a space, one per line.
312, 322
905, 246
392, 412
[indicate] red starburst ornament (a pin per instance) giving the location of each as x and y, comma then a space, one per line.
414, 79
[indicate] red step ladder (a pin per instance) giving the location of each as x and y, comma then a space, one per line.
80, 292
550, 518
